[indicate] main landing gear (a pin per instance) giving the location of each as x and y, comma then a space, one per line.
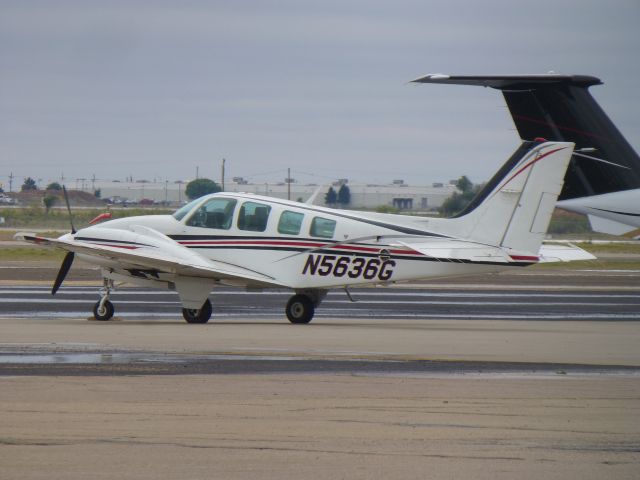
201, 315
299, 310
302, 306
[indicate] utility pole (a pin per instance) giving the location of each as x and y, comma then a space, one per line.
93, 183
223, 162
11, 182
166, 186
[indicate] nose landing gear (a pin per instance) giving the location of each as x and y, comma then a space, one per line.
103, 309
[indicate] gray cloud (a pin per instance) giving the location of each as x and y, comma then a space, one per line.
156, 88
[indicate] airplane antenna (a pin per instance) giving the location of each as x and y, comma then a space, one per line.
314, 195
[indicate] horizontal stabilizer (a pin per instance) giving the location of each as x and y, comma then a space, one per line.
458, 251
558, 252
508, 82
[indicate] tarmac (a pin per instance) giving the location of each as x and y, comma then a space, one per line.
346, 397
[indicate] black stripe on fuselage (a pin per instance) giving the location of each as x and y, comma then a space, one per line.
618, 213
107, 240
179, 238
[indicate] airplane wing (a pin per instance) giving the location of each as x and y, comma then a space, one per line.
147, 249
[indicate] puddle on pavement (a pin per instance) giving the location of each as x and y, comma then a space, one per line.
122, 358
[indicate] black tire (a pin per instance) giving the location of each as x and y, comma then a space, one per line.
198, 316
105, 313
300, 309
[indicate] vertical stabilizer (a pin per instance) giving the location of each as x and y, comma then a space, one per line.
514, 208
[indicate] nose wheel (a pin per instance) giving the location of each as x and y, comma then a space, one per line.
103, 309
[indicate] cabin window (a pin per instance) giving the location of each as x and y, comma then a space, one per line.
216, 213
322, 227
253, 216
290, 223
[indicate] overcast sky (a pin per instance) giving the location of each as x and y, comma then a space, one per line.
154, 89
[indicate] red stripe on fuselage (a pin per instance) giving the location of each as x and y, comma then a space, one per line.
128, 247
285, 243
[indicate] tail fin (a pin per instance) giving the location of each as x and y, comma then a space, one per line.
514, 208
560, 108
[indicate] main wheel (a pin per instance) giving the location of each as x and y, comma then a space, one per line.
202, 315
103, 313
300, 309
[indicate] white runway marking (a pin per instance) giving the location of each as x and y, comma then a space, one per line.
392, 303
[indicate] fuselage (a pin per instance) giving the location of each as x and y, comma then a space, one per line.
621, 207
298, 245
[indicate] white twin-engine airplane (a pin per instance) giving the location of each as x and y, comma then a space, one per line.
261, 242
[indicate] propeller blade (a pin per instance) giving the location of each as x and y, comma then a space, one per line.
66, 199
64, 269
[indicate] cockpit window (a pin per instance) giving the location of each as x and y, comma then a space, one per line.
216, 213
253, 216
322, 227
182, 211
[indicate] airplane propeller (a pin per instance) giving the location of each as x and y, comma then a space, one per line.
68, 258
64, 269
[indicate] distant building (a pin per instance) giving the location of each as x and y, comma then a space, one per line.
368, 196
401, 196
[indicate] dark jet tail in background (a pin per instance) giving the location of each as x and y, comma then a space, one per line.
560, 108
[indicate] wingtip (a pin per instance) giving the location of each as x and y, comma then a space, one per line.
430, 77
30, 237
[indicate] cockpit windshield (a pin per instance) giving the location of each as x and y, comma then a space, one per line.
182, 212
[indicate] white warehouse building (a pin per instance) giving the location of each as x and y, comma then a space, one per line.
366, 196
